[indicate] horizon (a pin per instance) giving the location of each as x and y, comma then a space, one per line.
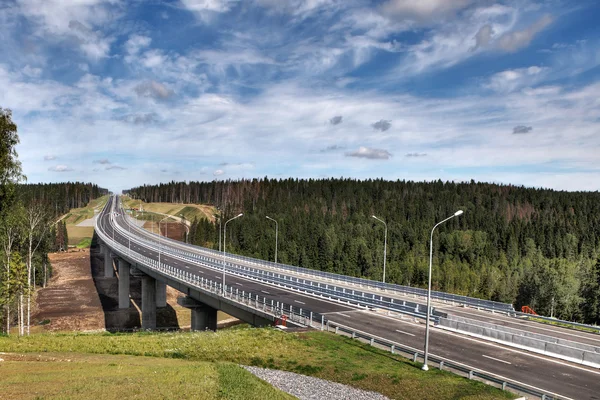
124, 93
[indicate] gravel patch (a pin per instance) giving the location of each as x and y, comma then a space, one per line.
309, 388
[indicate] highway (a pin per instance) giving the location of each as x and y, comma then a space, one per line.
566, 379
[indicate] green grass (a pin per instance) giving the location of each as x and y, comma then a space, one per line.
77, 376
84, 243
319, 354
563, 325
79, 233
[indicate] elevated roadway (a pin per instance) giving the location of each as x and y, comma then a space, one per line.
559, 378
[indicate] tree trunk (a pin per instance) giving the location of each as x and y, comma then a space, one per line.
29, 259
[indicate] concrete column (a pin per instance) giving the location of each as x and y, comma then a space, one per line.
109, 271
204, 318
148, 302
123, 283
161, 294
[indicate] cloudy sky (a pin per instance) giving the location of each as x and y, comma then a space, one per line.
124, 93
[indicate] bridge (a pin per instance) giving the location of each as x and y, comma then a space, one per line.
387, 315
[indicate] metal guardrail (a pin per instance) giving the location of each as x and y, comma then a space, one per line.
440, 362
570, 324
407, 290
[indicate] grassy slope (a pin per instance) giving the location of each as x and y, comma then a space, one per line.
79, 234
313, 353
189, 211
78, 376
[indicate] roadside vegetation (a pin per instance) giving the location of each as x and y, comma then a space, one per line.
318, 354
187, 211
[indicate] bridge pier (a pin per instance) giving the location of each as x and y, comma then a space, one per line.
148, 302
161, 294
204, 317
124, 278
109, 271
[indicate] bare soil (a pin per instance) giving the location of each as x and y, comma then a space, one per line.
70, 301
79, 298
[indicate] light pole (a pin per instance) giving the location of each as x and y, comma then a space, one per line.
425, 367
224, 238
187, 230
384, 245
159, 237
276, 232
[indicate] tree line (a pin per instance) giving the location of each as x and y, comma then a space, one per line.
30, 227
525, 246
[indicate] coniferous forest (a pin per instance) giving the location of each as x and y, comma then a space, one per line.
525, 246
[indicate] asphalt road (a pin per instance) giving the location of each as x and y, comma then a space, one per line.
563, 378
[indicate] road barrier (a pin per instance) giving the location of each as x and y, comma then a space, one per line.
568, 350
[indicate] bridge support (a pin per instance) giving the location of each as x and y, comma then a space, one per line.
148, 302
204, 317
109, 271
123, 283
161, 294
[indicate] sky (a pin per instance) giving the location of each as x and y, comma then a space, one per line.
129, 92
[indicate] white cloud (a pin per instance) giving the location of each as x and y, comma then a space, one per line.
218, 172
515, 79
60, 168
49, 157
423, 11
367, 152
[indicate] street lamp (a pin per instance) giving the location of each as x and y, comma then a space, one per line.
187, 230
276, 232
384, 245
159, 237
425, 367
225, 238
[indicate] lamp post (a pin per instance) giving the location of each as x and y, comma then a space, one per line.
276, 232
224, 239
159, 237
425, 367
187, 230
384, 245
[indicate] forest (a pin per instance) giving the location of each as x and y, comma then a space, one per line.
520, 245
30, 228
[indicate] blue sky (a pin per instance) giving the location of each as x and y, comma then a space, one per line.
124, 93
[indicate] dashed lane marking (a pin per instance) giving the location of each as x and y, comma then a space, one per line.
496, 359
406, 333
300, 302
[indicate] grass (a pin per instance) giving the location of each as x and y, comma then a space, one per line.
319, 354
563, 325
77, 215
189, 211
78, 234
84, 243
79, 376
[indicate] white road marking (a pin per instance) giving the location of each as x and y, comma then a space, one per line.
237, 283
300, 302
187, 267
406, 333
344, 315
265, 292
496, 359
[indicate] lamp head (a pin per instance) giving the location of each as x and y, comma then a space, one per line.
240, 214
459, 212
